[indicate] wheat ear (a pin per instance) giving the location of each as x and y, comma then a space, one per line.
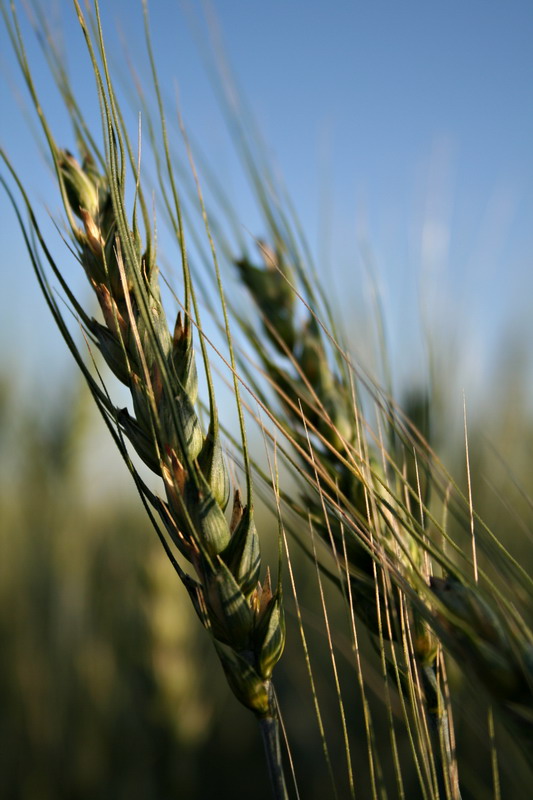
244, 617
372, 516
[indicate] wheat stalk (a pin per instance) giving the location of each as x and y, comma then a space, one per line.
371, 515
243, 614
160, 371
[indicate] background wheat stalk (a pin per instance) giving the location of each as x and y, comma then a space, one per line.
370, 502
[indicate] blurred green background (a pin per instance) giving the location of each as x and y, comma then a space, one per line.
108, 686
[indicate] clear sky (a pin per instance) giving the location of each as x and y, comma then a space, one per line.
404, 127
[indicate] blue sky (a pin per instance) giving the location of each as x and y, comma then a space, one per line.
405, 127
